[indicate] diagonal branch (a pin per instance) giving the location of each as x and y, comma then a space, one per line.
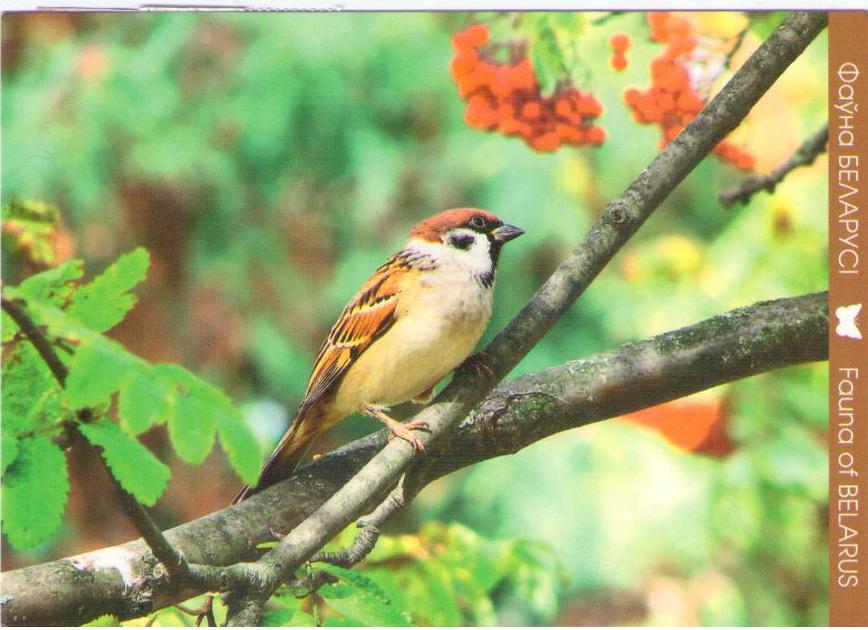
122, 581
619, 221
804, 156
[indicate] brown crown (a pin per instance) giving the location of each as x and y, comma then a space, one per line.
432, 228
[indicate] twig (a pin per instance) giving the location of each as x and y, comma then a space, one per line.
174, 562
804, 156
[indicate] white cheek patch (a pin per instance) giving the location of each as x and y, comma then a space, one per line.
475, 260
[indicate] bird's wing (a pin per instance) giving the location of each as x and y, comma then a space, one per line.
368, 315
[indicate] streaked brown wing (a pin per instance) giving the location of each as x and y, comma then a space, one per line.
368, 315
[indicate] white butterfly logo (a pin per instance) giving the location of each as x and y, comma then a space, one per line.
847, 321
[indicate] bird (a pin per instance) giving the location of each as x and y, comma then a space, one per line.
416, 319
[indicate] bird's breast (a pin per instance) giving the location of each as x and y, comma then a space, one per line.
440, 320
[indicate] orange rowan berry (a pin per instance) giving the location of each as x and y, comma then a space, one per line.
546, 142
463, 64
479, 113
631, 96
595, 135
618, 62
522, 75
531, 110
619, 42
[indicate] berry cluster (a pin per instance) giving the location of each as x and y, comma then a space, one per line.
506, 97
671, 102
620, 44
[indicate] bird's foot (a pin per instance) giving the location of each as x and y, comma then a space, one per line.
479, 363
399, 429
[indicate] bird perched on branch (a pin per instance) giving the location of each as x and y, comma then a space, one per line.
415, 320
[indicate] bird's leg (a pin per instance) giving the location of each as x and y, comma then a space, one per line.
479, 363
397, 428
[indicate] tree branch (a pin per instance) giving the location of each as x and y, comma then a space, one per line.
122, 581
804, 156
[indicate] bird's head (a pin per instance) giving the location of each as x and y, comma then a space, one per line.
473, 231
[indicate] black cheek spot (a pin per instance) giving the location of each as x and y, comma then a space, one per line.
461, 241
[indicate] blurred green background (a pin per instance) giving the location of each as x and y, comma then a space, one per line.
270, 162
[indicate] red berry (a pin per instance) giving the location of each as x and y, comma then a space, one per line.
619, 42
618, 62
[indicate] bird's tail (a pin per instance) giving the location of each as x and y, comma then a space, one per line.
308, 424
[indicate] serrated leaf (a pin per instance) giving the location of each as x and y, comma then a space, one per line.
31, 397
281, 612
240, 446
35, 489
132, 464
53, 286
96, 371
366, 601
144, 400
192, 428
103, 302
204, 400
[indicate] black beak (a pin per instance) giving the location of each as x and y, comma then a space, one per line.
506, 233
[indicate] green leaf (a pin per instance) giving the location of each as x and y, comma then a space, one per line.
35, 489
8, 327
144, 400
365, 601
133, 465
214, 410
192, 427
102, 303
31, 397
53, 286
286, 613
8, 450
103, 621
96, 371
240, 446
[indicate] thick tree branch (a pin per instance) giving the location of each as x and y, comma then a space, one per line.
804, 156
123, 581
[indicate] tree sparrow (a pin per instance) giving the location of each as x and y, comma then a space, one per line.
417, 318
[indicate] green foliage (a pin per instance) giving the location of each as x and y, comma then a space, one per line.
100, 369
103, 303
446, 575
35, 488
139, 472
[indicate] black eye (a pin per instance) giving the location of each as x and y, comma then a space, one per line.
461, 241
478, 222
